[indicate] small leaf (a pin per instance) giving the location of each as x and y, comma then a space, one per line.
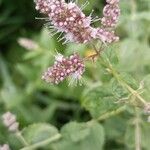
145, 15
38, 132
114, 130
72, 128
111, 54
12, 96
117, 89
99, 100
81, 136
129, 80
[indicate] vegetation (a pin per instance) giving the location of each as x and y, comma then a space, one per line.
108, 111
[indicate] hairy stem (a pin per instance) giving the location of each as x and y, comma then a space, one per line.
43, 143
107, 64
112, 113
125, 85
137, 131
21, 138
133, 7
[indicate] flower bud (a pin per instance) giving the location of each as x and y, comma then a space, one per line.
4, 147
9, 121
147, 108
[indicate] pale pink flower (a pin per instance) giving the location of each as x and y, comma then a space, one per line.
111, 14
9, 121
107, 36
63, 68
68, 18
4, 147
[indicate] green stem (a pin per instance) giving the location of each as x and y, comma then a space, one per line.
116, 75
137, 131
133, 7
21, 138
112, 113
125, 85
43, 143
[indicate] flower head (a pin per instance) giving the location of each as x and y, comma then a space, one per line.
9, 121
107, 36
63, 68
69, 19
109, 20
112, 1
4, 147
111, 14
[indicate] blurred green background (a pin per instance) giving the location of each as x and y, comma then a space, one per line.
32, 100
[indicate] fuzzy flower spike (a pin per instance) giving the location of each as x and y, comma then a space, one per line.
68, 18
72, 66
109, 21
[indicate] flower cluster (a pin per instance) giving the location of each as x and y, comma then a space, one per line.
4, 147
64, 67
107, 36
111, 14
68, 18
9, 121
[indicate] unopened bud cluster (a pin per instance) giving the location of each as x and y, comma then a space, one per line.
4, 147
69, 19
27, 43
10, 122
64, 67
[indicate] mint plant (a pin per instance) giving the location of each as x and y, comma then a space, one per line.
69, 19
121, 94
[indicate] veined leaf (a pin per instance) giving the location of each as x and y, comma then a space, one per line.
39, 132
81, 136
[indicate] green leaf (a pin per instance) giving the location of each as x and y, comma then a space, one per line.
130, 54
81, 136
111, 54
46, 41
143, 15
12, 96
129, 80
32, 54
146, 81
117, 89
70, 131
145, 135
99, 100
39, 132
115, 131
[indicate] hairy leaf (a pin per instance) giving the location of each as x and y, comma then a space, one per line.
99, 100
39, 132
81, 136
